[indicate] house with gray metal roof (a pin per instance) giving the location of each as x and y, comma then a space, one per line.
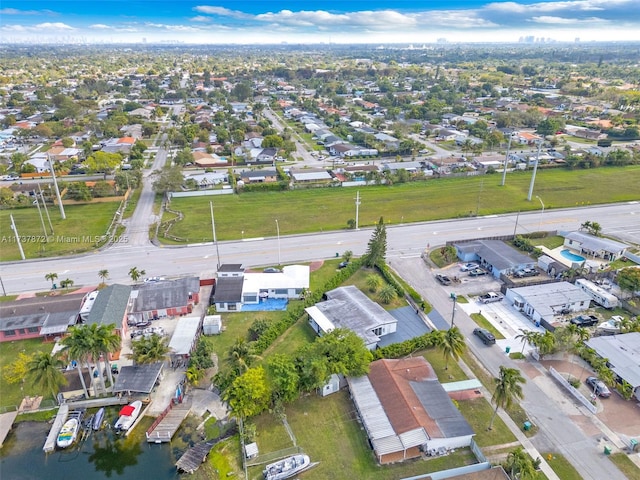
228, 294
141, 378
543, 302
184, 338
165, 298
596, 247
623, 356
348, 307
405, 411
494, 255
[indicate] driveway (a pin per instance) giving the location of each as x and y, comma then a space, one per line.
558, 432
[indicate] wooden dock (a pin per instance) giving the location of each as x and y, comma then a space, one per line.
61, 417
166, 425
6, 422
191, 460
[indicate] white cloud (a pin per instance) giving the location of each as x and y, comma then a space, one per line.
53, 26
224, 12
15, 11
566, 21
572, 5
201, 18
101, 26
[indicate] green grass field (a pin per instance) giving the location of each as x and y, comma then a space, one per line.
77, 233
314, 210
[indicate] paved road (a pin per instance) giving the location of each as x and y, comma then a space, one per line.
557, 432
622, 220
301, 152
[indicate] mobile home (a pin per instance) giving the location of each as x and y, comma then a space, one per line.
597, 294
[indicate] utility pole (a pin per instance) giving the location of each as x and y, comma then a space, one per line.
541, 213
55, 184
535, 169
278, 233
357, 207
215, 240
506, 161
454, 297
44, 229
46, 210
516, 227
15, 230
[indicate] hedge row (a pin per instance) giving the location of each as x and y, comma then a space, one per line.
264, 187
402, 287
407, 347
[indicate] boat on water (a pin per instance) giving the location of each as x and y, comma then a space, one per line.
287, 467
128, 415
97, 419
68, 433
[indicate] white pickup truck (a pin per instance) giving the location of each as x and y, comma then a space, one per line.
491, 297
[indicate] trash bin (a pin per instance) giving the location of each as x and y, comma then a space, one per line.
634, 445
607, 450
527, 426
337, 255
507, 349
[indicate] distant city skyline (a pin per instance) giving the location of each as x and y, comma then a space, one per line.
330, 21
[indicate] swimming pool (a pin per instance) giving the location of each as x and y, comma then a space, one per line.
566, 253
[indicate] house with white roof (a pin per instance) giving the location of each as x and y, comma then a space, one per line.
623, 356
597, 247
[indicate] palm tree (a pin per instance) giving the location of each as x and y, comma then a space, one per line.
78, 350
51, 277
150, 349
135, 274
452, 345
103, 274
45, 371
526, 337
240, 356
387, 294
508, 389
520, 465
106, 341
373, 282
66, 283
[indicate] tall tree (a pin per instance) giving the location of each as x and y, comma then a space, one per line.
241, 356
508, 389
136, 274
519, 465
452, 345
45, 371
629, 280
526, 337
104, 275
78, 349
283, 378
150, 349
106, 342
249, 394
51, 277
377, 247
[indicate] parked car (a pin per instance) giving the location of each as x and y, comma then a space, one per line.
526, 272
485, 335
598, 387
477, 272
271, 270
443, 279
585, 320
491, 297
468, 266
344, 264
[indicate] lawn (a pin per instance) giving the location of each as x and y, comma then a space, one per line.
78, 233
551, 242
478, 412
486, 324
324, 209
359, 279
12, 394
625, 465
562, 467
325, 426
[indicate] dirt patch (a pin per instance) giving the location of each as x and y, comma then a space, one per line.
316, 265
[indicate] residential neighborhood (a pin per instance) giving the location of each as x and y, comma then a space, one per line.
370, 261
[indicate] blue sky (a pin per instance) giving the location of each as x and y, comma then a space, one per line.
276, 21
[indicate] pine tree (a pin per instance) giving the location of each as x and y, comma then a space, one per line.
377, 247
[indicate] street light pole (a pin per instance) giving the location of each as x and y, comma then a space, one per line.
541, 213
278, 233
454, 297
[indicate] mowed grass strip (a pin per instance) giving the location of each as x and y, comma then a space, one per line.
315, 210
77, 233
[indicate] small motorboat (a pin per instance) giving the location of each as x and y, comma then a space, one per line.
96, 424
611, 326
287, 467
128, 415
68, 433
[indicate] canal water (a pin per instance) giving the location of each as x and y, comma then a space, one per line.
102, 455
